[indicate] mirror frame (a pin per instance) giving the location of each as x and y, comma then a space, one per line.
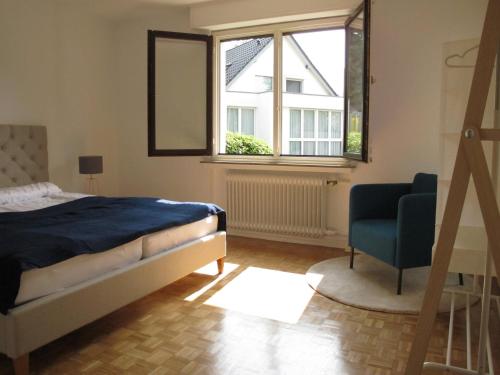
153, 35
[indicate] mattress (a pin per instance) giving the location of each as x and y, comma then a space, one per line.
40, 282
166, 239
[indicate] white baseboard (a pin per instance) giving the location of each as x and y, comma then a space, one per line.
336, 240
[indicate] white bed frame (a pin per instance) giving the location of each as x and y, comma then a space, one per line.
36, 323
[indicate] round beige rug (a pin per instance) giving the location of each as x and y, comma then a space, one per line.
372, 285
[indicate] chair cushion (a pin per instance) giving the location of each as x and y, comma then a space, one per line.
375, 237
424, 183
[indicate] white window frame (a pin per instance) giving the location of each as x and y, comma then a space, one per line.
277, 31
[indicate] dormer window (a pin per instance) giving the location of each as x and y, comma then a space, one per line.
265, 83
294, 86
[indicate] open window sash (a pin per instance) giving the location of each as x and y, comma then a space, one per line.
356, 83
179, 94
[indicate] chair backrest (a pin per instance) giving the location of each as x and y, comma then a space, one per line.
424, 183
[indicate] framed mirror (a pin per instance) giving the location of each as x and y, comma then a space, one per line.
179, 94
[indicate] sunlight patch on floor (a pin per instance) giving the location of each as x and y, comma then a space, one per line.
315, 279
211, 270
265, 293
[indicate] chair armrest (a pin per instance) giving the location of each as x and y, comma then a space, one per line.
416, 224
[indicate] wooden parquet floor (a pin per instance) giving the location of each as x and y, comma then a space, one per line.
178, 330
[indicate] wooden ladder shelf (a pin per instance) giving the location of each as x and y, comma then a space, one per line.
470, 160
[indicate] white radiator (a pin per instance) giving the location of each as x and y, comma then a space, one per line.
281, 204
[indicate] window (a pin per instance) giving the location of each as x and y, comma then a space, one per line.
266, 83
315, 107
241, 120
293, 86
322, 134
233, 120
247, 121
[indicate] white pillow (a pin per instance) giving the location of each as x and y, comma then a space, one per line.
27, 192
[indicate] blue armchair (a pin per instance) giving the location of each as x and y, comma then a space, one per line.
394, 223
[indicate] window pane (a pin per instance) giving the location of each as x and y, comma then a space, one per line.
293, 86
266, 83
322, 124
336, 125
247, 121
313, 82
246, 76
295, 123
232, 120
354, 85
308, 124
336, 149
177, 104
323, 148
294, 147
309, 148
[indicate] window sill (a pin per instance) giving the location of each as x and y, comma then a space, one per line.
330, 166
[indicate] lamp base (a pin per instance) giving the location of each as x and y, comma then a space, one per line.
92, 185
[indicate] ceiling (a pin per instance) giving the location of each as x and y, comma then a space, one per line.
119, 8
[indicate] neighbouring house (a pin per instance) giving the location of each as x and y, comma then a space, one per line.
312, 111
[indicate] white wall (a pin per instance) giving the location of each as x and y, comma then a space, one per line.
56, 70
406, 51
179, 178
84, 77
406, 59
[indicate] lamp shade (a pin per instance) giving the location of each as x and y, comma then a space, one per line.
90, 164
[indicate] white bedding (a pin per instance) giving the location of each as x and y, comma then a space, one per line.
166, 239
27, 192
39, 282
40, 202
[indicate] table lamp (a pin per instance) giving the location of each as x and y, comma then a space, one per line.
91, 165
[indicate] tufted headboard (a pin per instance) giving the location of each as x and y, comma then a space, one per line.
23, 155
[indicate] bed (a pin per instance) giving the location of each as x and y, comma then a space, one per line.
56, 299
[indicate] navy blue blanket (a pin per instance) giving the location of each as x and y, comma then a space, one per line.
41, 238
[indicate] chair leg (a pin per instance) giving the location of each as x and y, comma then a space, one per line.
351, 263
461, 279
400, 280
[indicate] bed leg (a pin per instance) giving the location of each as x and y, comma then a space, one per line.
220, 265
21, 364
